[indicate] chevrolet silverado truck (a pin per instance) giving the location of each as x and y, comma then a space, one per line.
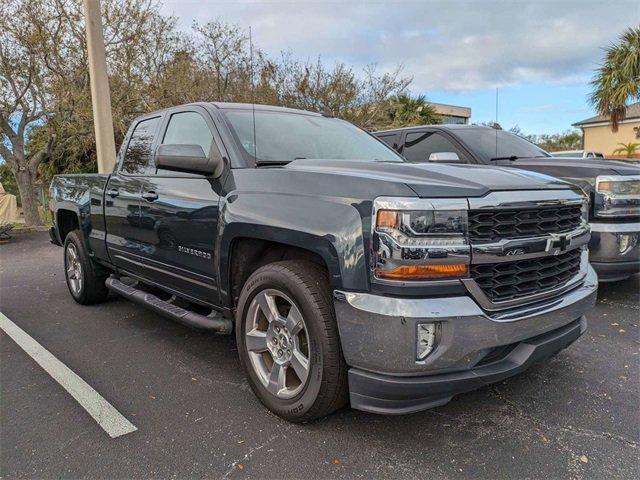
345, 272
613, 186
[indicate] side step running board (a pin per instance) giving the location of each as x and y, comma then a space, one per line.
219, 325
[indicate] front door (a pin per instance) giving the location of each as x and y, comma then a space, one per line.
122, 197
179, 212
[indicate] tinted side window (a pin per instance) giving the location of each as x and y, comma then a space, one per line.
188, 128
139, 153
418, 146
389, 139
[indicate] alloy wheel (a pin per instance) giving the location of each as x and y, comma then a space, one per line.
277, 343
74, 269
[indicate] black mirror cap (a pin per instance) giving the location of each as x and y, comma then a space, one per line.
189, 158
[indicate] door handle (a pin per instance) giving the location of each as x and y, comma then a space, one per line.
113, 192
150, 196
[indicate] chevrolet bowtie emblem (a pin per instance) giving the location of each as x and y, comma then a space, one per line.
561, 242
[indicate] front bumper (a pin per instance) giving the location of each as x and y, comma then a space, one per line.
378, 337
614, 250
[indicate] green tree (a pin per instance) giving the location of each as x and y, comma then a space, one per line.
554, 142
617, 80
45, 104
405, 111
628, 149
46, 119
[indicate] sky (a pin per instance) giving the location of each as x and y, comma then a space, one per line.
539, 54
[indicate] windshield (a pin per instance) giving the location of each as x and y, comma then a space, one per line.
489, 143
285, 136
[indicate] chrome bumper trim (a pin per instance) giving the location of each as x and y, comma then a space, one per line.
527, 199
378, 334
615, 227
509, 250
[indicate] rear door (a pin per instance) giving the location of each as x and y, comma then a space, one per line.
123, 193
179, 212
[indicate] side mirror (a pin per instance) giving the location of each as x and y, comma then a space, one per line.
445, 157
189, 158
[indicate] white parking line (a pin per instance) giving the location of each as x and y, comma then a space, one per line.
102, 411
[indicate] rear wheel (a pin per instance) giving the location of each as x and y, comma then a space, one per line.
85, 279
288, 341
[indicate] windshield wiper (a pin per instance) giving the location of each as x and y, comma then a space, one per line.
271, 163
515, 157
512, 158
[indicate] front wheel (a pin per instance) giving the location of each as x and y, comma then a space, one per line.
288, 341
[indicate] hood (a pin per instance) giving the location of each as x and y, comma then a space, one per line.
580, 167
433, 180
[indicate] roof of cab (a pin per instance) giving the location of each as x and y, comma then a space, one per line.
257, 106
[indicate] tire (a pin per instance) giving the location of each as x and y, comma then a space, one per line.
85, 279
305, 286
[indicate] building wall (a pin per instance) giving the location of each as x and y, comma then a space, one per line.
601, 139
452, 113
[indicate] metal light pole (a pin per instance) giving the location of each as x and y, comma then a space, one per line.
100, 96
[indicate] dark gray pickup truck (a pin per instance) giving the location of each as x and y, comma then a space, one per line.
345, 271
612, 186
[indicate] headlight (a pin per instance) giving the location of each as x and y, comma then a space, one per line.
617, 196
418, 239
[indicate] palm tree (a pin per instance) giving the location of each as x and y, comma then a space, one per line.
629, 149
617, 81
406, 111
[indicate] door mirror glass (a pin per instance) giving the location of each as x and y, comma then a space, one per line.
444, 157
187, 158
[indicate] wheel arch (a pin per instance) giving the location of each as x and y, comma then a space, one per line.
66, 221
244, 254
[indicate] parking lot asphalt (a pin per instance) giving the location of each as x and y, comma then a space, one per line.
575, 416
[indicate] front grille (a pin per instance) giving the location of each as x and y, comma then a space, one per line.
512, 280
493, 225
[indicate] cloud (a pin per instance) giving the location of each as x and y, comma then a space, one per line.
444, 45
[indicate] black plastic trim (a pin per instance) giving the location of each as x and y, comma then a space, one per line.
612, 271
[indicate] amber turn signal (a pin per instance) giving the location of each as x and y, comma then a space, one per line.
424, 272
387, 218
605, 186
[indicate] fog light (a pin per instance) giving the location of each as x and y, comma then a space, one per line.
426, 339
627, 242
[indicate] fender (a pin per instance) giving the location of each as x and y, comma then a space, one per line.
83, 195
327, 226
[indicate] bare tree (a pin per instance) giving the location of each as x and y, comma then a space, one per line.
46, 118
45, 101
24, 100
